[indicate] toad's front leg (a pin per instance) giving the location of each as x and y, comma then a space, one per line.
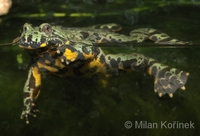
31, 92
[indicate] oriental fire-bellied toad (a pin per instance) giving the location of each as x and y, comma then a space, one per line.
71, 52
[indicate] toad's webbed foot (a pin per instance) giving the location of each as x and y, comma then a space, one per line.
167, 80
30, 112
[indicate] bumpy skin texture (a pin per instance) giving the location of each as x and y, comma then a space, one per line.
70, 52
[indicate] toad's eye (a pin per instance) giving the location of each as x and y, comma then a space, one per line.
47, 29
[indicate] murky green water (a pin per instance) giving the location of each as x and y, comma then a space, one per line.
70, 106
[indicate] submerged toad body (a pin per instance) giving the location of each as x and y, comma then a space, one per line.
71, 52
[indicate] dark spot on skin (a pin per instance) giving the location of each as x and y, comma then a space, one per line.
53, 43
29, 38
102, 59
109, 57
114, 63
104, 40
56, 55
28, 101
97, 27
154, 70
96, 34
43, 40
139, 59
154, 38
105, 28
61, 49
152, 63
71, 48
127, 64
119, 40
26, 94
85, 35
31, 84
95, 50
23, 39
113, 40
43, 70
119, 59
97, 37
35, 45
84, 49
80, 56
116, 27
143, 66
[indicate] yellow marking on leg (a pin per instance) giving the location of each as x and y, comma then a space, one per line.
67, 43
94, 63
149, 71
70, 55
36, 76
47, 62
88, 56
35, 94
59, 63
49, 68
43, 45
